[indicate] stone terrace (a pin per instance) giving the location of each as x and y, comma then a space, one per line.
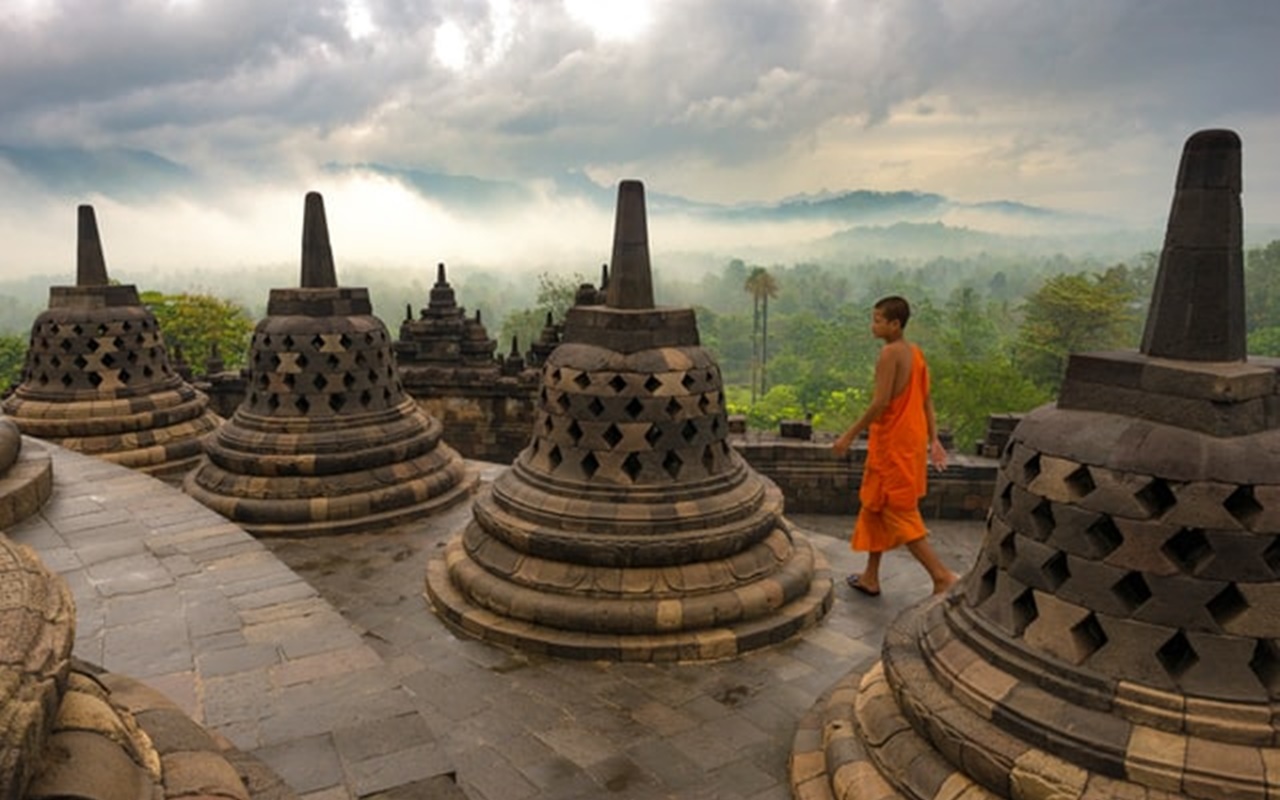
337, 675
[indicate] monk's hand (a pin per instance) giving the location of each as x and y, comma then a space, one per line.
841, 445
938, 455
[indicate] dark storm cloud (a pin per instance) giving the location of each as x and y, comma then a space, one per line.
241, 82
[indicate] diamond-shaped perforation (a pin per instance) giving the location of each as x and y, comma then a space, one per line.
1132, 591
673, 408
302, 404
575, 431
1031, 469
320, 382
1088, 636
687, 381
336, 402
617, 383
653, 435
1272, 557
1266, 665
582, 379
986, 585
1056, 570
1042, 521
1177, 655
1024, 611
1226, 605
596, 407
612, 435
562, 400
708, 459
1242, 505
652, 384
1080, 482
689, 431
1104, 536
634, 408
632, 465
1008, 548
1156, 497
555, 458
1004, 500
590, 464
672, 464
1189, 548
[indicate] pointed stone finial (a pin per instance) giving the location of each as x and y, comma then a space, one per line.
632, 280
604, 277
515, 346
1197, 306
440, 279
408, 312
91, 265
317, 257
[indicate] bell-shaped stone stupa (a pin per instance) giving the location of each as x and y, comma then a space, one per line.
98, 379
628, 529
1118, 634
326, 440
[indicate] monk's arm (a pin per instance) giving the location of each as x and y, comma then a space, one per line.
880, 398
937, 453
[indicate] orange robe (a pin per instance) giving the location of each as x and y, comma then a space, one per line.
894, 476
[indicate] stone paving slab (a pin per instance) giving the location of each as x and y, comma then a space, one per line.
170, 593
335, 673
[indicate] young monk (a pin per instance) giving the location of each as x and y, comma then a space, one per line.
903, 434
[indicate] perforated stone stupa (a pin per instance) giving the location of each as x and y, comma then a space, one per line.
97, 377
326, 440
628, 529
1117, 637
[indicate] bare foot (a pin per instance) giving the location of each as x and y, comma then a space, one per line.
941, 586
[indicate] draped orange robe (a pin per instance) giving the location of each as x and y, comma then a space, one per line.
894, 476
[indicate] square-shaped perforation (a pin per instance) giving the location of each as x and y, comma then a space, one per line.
1088, 637
1242, 505
1177, 655
1024, 611
1132, 591
1156, 497
1227, 605
1189, 549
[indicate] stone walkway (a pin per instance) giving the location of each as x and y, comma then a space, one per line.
333, 671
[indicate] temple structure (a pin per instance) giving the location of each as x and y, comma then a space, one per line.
447, 362
326, 439
1117, 635
98, 379
629, 529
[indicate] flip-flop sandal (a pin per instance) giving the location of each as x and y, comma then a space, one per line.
856, 584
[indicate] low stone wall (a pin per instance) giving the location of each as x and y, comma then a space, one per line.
816, 481
484, 425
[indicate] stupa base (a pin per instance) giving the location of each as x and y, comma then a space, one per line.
467, 618
27, 484
340, 514
896, 731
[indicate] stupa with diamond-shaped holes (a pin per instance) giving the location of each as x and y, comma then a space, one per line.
326, 440
1118, 635
629, 529
98, 379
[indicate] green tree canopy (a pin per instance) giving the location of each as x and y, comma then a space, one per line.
195, 322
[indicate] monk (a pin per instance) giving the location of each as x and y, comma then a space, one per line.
903, 437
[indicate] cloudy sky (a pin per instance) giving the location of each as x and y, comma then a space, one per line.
196, 126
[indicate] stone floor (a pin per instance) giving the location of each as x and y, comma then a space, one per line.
321, 658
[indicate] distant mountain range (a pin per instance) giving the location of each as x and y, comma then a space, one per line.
873, 223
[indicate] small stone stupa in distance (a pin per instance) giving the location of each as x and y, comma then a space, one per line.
1118, 634
97, 377
326, 440
629, 529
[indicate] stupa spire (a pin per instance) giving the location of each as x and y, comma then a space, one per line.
317, 256
91, 265
1197, 306
631, 282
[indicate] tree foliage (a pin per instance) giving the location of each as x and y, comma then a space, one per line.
13, 355
196, 322
555, 297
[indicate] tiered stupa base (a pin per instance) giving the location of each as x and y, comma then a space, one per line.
691, 610
159, 434
364, 472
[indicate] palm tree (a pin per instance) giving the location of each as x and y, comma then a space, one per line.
762, 286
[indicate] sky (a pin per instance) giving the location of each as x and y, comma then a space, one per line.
195, 127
